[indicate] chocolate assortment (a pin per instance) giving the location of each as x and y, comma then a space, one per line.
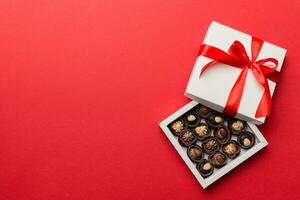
211, 139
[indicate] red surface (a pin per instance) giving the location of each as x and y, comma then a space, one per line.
84, 84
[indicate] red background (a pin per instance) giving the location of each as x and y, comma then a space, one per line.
84, 84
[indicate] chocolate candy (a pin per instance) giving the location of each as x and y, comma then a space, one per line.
246, 140
205, 168
222, 134
202, 131
203, 111
210, 145
192, 119
231, 149
236, 126
195, 128
187, 138
215, 120
218, 159
177, 127
195, 153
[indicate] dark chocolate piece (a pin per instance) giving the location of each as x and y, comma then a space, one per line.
210, 145
203, 111
246, 140
187, 138
177, 127
231, 149
237, 126
192, 119
218, 159
222, 134
202, 131
195, 153
205, 168
215, 120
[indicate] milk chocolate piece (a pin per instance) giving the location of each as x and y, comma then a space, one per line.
205, 168
195, 153
218, 159
231, 149
203, 111
192, 119
210, 145
187, 138
246, 140
222, 134
215, 120
202, 131
237, 126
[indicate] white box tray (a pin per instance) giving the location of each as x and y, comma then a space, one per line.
260, 142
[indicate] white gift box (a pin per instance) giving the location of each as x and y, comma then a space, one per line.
213, 87
260, 142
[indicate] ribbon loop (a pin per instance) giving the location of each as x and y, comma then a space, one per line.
237, 57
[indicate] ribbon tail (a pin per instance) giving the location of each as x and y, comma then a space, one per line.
265, 104
235, 95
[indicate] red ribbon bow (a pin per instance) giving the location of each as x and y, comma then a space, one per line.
237, 57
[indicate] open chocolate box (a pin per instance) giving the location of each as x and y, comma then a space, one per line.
210, 143
234, 73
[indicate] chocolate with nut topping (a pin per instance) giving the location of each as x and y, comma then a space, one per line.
231, 149
192, 119
202, 131
236, 126
187, 138
195, 153
218, 159
177, 127
215, 120
210, 145
205, 168
246, 140
222, 134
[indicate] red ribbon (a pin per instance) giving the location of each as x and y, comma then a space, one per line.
237, 57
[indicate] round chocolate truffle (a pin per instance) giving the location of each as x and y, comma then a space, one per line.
210, 145
203, 111
222, 134
202, 131
218, 159
231, 149
195, 153
187, 138
215, 120
237, 126
192, 119
177, 127
205, 168
246, 140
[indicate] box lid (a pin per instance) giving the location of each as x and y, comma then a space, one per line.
213, 87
